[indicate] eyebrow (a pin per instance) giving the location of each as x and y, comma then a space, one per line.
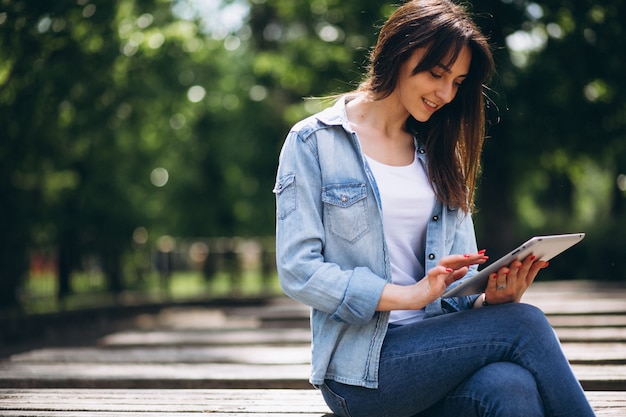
449, 71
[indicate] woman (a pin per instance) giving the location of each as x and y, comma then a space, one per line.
374, 199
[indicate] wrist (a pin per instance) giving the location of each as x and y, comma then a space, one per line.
412, 297
481, 301
399, 297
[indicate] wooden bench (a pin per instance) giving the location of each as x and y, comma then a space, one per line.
217, 403
254, 361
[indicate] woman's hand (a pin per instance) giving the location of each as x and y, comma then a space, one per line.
509, 284
450, 269
413, 297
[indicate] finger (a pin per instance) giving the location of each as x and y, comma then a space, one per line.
491, 292
527, 264
493, 282
460, 260
440, 272
501, 279
453, 275
534, 270
512, 281
437, 278
456, 275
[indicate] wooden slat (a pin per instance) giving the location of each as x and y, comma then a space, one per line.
576, 287
594, 306
300, 336
247, 354
224, 337
150, 375
220, 403
22, 413
588, 320
248, 401
595, 353
576, 352
601, 377
607, 403
592, 334
74, 413
577, 297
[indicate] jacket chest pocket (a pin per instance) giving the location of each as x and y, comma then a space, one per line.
345, 210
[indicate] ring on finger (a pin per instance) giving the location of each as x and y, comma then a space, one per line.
501, 287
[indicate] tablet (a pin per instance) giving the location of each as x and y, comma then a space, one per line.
543, 247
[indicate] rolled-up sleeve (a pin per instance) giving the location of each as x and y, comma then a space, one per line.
361, 298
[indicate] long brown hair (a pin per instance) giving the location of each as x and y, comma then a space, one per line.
453, 136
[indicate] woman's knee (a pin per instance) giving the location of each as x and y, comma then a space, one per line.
526, 316
526, 312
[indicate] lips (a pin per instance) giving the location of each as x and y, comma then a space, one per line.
430, 104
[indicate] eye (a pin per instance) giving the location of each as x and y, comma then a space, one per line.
435, 75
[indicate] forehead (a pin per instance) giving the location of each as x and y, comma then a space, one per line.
456, 65
460, 65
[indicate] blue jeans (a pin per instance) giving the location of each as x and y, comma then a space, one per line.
496, 361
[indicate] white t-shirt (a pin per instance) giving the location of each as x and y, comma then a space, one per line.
407, 200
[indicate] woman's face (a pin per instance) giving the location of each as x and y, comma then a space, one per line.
424, 93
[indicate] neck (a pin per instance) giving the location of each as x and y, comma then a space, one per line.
385, 116
380, 127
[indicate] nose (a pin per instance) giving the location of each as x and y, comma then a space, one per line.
446, 92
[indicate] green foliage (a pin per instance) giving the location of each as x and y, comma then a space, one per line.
560, 148
122, 114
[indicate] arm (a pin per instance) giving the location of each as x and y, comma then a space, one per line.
348, 291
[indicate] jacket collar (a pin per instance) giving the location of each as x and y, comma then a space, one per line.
336, 115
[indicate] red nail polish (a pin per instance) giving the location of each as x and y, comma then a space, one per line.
449, 270
482, 251
532, 258
467, 255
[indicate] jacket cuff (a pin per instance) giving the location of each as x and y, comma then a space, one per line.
361, 297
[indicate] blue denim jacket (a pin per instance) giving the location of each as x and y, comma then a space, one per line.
330, 246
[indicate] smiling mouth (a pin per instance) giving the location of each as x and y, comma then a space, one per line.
430, 104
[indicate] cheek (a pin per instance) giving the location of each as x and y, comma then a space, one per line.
423, 83
456, 93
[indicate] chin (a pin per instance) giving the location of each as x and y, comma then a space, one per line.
421, 117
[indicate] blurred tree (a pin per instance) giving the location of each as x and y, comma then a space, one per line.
169, 115
556, 157
89, 92
60, 161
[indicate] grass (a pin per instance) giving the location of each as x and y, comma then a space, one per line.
89, 289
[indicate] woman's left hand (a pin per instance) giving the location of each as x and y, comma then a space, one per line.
509, 284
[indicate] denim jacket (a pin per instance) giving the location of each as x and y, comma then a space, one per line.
330, 246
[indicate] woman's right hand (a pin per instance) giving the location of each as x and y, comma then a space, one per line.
414, 297
449, 270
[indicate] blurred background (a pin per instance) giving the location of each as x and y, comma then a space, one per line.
139, 138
